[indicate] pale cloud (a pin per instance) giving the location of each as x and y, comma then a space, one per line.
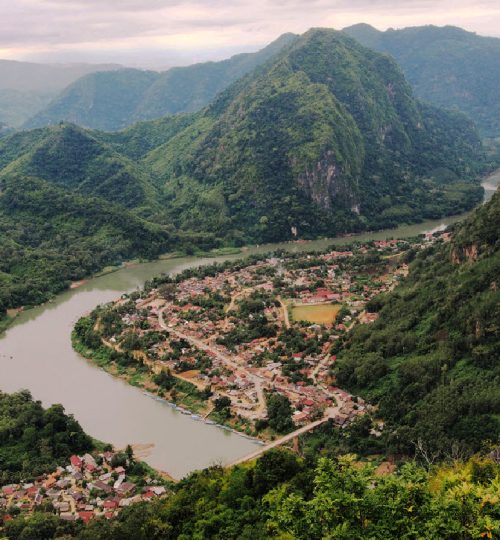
156, 31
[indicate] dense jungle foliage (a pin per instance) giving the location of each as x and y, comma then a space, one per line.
446, 66
50, 236
34, 440
431, 360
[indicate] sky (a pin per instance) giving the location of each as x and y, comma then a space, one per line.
162, 33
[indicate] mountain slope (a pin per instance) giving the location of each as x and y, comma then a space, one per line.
104, 100
431, 359
325, 138
114, 100
446, 66
188, 89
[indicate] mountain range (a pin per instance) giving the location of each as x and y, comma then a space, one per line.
318, 135
324, 138
114, 100
446, 66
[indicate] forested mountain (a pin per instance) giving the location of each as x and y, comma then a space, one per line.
324, 138
26, 87
114, 100
446, 66
431, 360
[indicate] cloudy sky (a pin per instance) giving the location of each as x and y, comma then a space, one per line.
160, 33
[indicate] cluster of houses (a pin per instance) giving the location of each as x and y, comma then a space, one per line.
234, 373
87, 488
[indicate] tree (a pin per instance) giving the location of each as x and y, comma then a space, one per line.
279, 412
130, 453
273, 468
222, 403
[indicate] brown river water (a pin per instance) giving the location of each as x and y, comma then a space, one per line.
36, 354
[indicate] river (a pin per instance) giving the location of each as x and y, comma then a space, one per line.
36, 353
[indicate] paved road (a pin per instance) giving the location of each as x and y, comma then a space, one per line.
279, 442
285, 312
261, 407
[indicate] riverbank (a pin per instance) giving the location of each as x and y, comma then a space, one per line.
36, 354
188, 400
227, 326
489, 183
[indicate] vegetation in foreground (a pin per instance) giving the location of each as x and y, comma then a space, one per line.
283, 496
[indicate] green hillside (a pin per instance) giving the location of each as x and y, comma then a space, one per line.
103, 100
26, 87
326, 138
75, 159
116, 99
446, 66
50, 236
431, 360
16, 106
34, 440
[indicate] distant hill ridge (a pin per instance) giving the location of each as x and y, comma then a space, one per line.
114, 100
446, 66
28, 87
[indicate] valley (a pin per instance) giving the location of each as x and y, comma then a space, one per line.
292, 150
47, 365
255, 297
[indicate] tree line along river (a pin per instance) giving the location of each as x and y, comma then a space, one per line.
36, 354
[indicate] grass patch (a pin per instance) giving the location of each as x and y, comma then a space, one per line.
319, 314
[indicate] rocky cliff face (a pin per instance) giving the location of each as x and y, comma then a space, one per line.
467, 253
325, 183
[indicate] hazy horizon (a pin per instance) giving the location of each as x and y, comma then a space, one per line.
162, 33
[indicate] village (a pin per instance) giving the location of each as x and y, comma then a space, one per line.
244, 331
88, 487
237, 333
